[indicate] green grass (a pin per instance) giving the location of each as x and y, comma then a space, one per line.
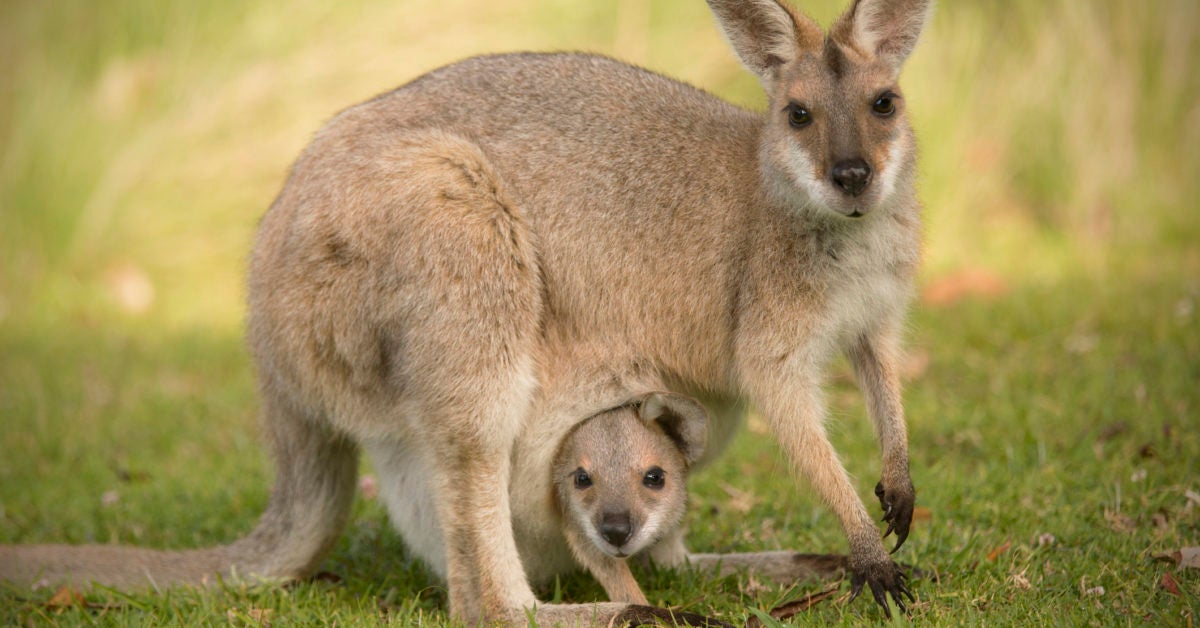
140, 142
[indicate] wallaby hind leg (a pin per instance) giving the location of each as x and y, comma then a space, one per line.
315, 472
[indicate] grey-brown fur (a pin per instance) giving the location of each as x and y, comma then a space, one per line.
450, 262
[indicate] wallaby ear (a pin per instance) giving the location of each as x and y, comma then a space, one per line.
883, 29
684, 420
765, 34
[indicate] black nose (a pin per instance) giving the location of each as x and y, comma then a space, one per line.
615, 528
851, 176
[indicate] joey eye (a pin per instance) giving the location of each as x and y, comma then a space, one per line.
655, 478
798, 116
582, 479
885, 105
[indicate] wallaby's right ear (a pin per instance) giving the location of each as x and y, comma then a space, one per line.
765, 34
683, 419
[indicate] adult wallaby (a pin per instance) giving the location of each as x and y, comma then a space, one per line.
447, 256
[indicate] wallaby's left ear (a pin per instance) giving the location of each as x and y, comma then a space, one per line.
684, 419
887, 30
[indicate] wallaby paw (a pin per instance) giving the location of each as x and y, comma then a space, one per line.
885, 579
638, 615
897, 503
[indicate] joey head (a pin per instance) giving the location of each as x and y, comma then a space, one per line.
620, 482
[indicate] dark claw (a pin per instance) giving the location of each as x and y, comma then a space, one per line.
880, 594
885, 580
856, 586
897, 513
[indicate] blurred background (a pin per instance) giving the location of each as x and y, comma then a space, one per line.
141, 140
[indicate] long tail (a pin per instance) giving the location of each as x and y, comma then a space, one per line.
306, 513
113, 565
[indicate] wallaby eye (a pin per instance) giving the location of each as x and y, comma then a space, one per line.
582, 479
798, 116
885, 105
655, 478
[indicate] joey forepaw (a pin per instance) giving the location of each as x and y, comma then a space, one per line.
884, 579
897, 503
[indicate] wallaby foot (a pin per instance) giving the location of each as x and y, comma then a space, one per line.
884, 578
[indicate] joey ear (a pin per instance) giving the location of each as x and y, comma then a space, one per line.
765, 34
883, 29
684, 420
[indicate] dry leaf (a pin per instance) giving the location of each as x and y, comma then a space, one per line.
1020, 581
1167, 582
65, 597
994, 554
921, 513
1119, 522
788, 610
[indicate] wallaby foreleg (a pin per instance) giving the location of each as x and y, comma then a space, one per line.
612, 573
874, 359
794, 409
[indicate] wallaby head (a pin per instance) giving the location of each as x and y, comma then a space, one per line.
620, 476
837, 137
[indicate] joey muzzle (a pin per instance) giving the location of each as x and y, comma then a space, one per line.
616, 528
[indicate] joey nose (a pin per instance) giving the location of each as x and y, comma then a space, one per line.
851, 176
616, 528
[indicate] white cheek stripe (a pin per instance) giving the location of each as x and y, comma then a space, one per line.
802, 172
890, 169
